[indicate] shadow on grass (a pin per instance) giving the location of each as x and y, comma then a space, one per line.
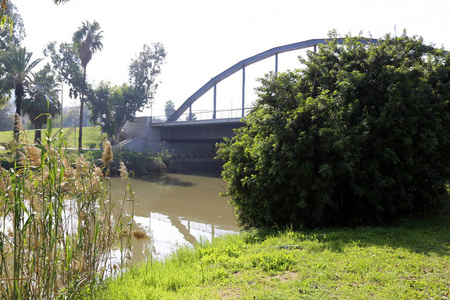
425, 235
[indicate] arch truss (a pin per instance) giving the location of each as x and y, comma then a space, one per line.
211, 84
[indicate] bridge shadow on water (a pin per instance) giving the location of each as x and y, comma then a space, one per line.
171, 181
205, 169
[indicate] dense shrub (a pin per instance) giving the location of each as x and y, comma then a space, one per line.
360, 135
141, 164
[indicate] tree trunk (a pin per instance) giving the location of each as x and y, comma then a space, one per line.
18, 91
80, 133
37, 134
116, 136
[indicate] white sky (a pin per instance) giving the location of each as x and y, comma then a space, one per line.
205, 37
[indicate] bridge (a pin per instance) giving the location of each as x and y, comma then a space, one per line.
194, 135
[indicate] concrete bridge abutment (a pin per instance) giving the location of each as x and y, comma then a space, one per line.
190, 143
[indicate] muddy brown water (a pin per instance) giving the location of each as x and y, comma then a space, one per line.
175, 210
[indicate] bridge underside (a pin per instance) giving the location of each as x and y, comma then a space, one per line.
198, 132
191, 144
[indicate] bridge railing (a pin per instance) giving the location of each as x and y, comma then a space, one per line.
197, 115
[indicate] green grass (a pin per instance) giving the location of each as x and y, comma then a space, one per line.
91, 135
410, 260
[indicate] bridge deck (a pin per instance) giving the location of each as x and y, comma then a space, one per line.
197, 122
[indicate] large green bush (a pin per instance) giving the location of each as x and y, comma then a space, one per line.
360, 135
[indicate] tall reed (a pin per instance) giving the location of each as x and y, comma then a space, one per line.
58, 224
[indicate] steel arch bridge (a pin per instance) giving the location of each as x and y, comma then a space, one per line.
199, 137
212, 83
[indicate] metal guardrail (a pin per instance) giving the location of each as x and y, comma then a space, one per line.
200, 115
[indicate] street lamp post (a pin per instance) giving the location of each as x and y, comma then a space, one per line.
101, 124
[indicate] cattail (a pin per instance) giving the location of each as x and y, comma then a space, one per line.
107, 153
4, 179
98, 172
22, 158
34, 155
18, 126
123, 170
124, 233
81, 164
140, 235
66, 187
67, 168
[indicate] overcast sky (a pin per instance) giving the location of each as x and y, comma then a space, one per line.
205, 37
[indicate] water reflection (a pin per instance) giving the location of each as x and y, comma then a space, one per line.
175, 210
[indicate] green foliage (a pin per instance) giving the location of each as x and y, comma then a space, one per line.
66, 62
12, 30
144, 70
113, 106
7, 117
42, 100
359, 136
18, 65
141, 164
86, 41
169, 108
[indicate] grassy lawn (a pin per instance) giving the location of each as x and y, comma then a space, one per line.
409, 260
91, 136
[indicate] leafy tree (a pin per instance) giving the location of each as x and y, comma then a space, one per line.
68, 66
144, 70
115, 105
7, 117
8, 20
361, 135
66, 62
42, 100
18, 65
169, 108
86, 40
71, 115
191, 117
15, 34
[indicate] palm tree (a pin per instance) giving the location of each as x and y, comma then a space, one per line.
42, 100
86, 40
18, 65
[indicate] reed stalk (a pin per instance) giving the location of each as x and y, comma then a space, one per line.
58, 223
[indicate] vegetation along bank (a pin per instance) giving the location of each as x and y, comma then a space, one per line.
359, 137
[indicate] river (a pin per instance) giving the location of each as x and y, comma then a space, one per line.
176, 210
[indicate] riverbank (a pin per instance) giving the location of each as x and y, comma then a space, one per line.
407, 260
